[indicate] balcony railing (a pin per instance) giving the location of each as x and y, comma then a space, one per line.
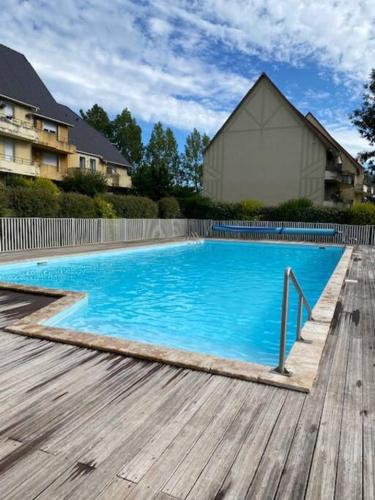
17, 128
50, 141
16, 159
16, 121
16, 165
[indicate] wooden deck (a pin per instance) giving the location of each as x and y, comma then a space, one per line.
81, 424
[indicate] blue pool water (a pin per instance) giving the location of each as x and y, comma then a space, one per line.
220, 298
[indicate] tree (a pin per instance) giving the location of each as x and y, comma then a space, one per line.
98, 118
127, 136
160, 166
364, 119
192, 160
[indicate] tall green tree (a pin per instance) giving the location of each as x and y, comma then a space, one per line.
98, 118
192, 160
156, 176
364, 119
127, 136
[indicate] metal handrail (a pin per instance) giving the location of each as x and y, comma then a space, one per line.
302, 301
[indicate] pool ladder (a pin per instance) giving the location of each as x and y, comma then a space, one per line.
302, 301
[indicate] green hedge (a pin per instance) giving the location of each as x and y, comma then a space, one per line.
132, 207
84, 182
26, 202
77, 206
363, 213
300, 210
169, 208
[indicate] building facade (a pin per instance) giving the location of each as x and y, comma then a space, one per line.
267, 150
41, 138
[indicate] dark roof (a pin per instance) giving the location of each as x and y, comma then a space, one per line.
89, 140
333, 141
19, 81
328, 143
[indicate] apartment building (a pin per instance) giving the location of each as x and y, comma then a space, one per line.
41, 138
267, 150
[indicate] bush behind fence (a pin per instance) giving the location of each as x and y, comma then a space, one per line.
17, 234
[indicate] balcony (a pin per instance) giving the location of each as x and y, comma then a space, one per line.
332, 175
18, 129
50, 141
20, 166
338, 176
118, 177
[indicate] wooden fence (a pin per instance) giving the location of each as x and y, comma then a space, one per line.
18, 234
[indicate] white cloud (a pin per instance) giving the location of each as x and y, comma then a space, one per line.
349, 138
176, 61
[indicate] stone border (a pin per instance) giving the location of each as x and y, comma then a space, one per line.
303, 359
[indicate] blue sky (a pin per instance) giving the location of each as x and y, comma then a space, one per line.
188, 63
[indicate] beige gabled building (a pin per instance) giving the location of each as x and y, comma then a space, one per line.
267, 150
40, 137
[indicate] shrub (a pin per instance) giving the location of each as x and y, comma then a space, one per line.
84, 182
133, 207
250, 209
5, 211
363, 213
104, 209
18, 181
46, 185
294, 210
77, 206
26, 202
169, 208
197, 207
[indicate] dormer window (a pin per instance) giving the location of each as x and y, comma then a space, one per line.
50, 127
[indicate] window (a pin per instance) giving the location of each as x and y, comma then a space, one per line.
82, 162
8, 110
92, 164
111, 170
9, 150
50, 127
50, 159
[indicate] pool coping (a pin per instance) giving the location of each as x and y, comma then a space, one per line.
302, 361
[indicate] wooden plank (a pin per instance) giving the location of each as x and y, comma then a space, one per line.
214, 473
349, 467
7, 446
243, 469
267, 476
296, 471
163, 467
322, 478
189, 469
101, 469
118, 489
137, 467
368, 372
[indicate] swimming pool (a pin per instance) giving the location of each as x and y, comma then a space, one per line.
217, 297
